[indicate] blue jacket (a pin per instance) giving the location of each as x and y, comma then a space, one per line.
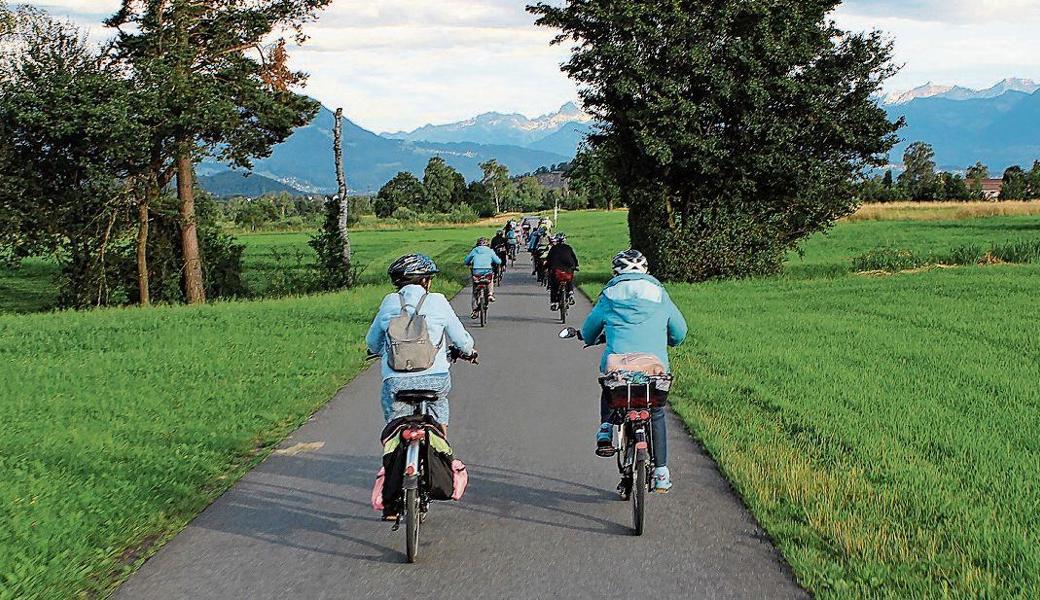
637, 315
483, 260
440, 318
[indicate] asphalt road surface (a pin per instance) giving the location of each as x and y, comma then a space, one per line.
540, 519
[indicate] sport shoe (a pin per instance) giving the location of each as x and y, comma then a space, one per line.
473, 315
491, 298
662, 480
570, 299
554, 306
605, 440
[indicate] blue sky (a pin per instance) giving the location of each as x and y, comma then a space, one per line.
399, 64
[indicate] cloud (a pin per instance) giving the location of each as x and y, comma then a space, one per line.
947, 11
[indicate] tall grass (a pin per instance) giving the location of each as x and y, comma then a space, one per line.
944, 211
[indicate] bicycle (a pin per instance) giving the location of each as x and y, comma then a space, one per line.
633, 395
482, 285
512, 255
415, 435
564, 281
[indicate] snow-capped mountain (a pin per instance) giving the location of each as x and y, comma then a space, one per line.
568, 125
956, 92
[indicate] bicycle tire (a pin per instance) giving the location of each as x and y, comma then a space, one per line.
411, 516
639, 486
562, 297
483, 307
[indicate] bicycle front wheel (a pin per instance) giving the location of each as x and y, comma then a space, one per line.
411, 516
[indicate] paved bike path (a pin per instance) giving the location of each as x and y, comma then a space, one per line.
540, 519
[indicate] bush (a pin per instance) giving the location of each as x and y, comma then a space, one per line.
1021, 251
403, 213
886, 259
463, 213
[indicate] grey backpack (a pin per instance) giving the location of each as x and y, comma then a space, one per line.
410, 348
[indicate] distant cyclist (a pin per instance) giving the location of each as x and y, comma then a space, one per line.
482, 261
635, 314
413, 275
501, 248
512, 239
560, 262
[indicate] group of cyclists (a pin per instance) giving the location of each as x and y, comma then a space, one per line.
633, 314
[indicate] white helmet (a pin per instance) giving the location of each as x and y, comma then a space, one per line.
630, 261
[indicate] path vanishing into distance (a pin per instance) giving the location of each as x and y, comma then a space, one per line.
541, 518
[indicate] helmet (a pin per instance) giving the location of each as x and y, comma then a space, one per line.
412, 268
561, 238
630, 261
483, 242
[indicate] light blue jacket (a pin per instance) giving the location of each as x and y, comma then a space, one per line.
482, 260
440, 318
637, 315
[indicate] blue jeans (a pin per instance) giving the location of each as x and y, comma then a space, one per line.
658, 424
434, 383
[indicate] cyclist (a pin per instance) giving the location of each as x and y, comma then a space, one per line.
501, 248
560, 261
512, 239
635, 314
482, 260
412, 275
540, 253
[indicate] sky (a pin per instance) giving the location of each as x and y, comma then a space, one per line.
400, 64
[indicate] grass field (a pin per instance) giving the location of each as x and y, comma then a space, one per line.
883, 430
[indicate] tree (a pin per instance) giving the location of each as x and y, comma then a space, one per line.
441, 185
736, 129
404, 190
343, 218
215, 89
70, 156
530, 195
919, 179
590, 176
1033, 182
496, 180
975, 176
479, 199
951, 186
1016, 184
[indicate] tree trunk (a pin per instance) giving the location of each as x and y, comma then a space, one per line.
341, 179
142, 249
193, 284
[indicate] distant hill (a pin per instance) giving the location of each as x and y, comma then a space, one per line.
233, 183
1000, 131
305, 162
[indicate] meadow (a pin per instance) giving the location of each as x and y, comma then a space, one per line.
882, 429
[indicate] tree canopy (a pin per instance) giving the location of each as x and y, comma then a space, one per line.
737, 128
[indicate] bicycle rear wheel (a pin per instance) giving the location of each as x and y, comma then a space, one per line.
483, 307
639, 496
411, 516
562, 297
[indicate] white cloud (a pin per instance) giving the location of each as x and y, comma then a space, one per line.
399, 64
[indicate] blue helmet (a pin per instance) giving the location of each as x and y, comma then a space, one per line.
412, 268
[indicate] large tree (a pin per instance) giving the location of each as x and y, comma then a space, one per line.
1016, 184
70, 155
737, 127
216, 90
976, 175
441, 184
919, 179
404, 190
497, 182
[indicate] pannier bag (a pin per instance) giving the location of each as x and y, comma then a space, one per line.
446, 476
408, 339
564, 276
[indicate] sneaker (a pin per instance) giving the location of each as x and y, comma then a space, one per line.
570, 299
473, 315
554, 307
662, 480
491, 298
605, 440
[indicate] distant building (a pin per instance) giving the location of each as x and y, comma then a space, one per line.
553, 181
991, 188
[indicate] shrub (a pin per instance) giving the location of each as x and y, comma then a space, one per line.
886, 259
463, 213
403, 213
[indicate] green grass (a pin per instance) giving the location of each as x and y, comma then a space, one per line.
883, 430
120, 425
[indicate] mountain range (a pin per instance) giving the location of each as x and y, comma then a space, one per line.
304, 162
999, 126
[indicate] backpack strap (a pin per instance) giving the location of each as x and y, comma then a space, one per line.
418, 307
